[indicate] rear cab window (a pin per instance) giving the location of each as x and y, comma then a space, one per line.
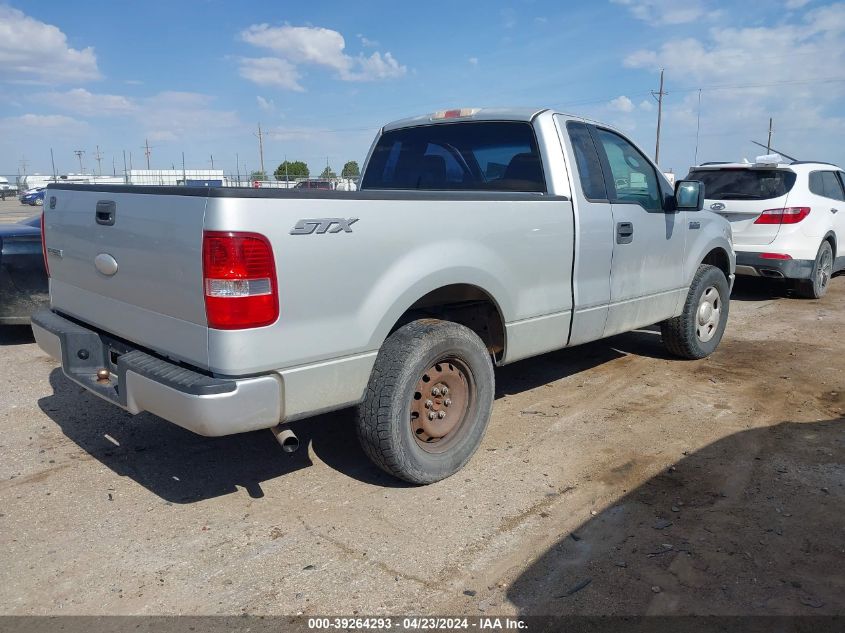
465, 156
744, 184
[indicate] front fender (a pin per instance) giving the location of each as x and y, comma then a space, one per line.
715, 233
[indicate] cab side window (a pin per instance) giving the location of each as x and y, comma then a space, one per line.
587, 161
633, 179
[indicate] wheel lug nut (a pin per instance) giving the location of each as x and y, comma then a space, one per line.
447, 402
441, 414
435, 392
428, 404
444, 391
431, 415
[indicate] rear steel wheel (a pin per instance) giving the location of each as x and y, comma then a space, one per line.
444, 394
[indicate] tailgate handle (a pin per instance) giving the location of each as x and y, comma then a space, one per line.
105, 212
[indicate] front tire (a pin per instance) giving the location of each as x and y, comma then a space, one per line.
816, 287
698, 330
428, 401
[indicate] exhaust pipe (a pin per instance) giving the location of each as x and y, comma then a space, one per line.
286, 438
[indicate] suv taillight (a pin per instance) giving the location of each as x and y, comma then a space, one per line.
239, 280
789, 215
44, 246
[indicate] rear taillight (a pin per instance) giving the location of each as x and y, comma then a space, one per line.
44, 246
775, 256
789, 215
239, 280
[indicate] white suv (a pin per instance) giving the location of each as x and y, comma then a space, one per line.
788, 219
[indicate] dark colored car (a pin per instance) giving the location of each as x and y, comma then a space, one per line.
314, 184
34, 197
23, 279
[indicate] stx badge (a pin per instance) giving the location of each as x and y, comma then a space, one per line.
322, 225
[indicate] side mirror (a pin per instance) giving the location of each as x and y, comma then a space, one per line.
689, 195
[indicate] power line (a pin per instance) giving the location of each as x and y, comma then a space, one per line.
99, 158
79, 153
147, 152
260, 136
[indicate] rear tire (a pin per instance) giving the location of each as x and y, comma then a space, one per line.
698, 330
427, 368
816, 287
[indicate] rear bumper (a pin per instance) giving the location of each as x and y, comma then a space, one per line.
141, 382
751, 264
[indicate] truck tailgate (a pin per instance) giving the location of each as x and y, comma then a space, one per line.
154, 297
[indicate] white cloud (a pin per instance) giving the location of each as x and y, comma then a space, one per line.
271, 71
375, 67
268, 105
85, 103
751, 73
473, 61
665, 11
308, 45
34, 52
43, 121
367, 42
646, 105
621, 104
796, 4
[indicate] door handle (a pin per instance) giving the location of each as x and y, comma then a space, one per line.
834, 210
105, 211
624, 232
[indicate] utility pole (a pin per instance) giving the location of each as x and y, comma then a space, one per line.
184, 178
697, 128
238, 167
99, 158
79, 153
130, 161
147, 152
24, 163
287, 180
212, 161
260, 136
769, 142
659, 96
53, 162
125, 173
113, 166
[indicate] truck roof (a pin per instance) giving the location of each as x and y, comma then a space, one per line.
473, 114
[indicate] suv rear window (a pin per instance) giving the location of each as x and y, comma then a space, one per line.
477, 156
744, 184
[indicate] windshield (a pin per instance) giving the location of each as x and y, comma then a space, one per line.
480, 156
744, 184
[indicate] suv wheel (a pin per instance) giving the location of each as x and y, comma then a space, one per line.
428, 401
816, 286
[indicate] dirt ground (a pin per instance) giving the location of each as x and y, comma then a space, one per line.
612, 480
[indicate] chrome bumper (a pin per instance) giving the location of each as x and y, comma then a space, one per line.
140, 382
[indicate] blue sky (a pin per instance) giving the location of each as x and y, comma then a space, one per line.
198, 77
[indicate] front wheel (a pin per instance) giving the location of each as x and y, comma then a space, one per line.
697, 331
816, 286
428, 401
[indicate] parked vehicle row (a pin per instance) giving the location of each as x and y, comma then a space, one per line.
33, 197
478, 237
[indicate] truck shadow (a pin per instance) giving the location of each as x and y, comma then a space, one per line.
16, 335
182, 467
748, 525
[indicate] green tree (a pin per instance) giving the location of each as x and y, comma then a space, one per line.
351, 170
291, 170
257, 175
328, 172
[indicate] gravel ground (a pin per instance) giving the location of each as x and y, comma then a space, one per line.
612, 480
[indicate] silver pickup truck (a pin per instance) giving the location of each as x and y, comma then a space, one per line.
477, 238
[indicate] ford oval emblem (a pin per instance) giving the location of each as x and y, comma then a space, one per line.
717, 206
106, 264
